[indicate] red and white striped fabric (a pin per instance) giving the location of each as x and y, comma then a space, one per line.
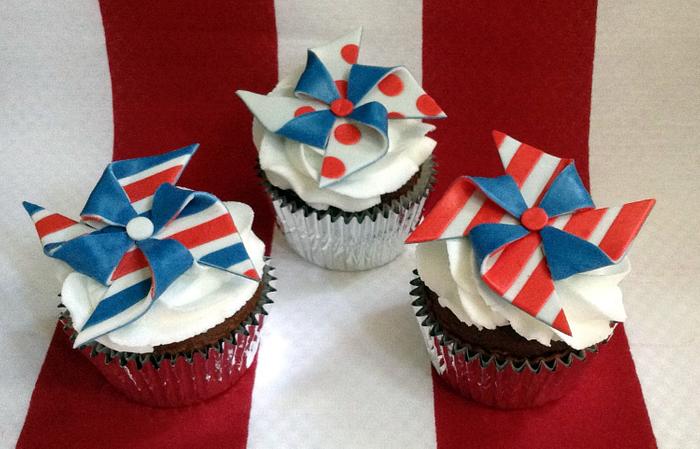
341, 362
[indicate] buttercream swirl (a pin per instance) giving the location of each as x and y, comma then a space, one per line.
591, 300
198, 300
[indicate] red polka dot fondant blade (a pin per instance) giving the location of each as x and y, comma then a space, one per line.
403, 97
339, 55
351, 147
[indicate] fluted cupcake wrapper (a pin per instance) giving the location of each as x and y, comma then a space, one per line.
185, 378
506, 383
352, 241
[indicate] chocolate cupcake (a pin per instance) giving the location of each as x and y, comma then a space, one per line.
344, 156
518, 278
167, 286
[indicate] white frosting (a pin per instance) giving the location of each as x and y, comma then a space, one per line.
197, 301
289, 164
591, 300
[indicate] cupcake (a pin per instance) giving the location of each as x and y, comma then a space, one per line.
344, 156
163, 287
517, 279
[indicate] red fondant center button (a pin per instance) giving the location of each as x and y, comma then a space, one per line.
341, 107
534, 219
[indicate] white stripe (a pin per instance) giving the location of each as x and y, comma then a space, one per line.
143, 204
524, 275
538, 178
242, 266
550, 309
603, 225
43, 213
116, 321
182, 224
127, 281
507, 150
465, 215
561, 221
214, 245
65, 234
180, 160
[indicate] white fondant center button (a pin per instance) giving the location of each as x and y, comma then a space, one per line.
139, 228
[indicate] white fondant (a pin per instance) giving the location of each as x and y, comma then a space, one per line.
198, 300
139, 228
591, 300
292, 165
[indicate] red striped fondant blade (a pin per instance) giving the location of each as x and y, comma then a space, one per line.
462, 207
612, 229
519, 274
54, 229
532, 169
212, 238
141, 177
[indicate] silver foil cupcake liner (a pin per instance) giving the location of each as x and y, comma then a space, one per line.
351, 241
174, 380
506, 383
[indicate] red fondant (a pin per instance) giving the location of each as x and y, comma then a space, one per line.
303, 110
332, 167
347, 134
391, 85
341, 107
342, 87
349, 53
427, 105
534, 219
395, 115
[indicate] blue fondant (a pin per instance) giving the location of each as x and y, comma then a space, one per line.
128, 167
372, 114
489, 237
316, 81
503, 191
168, 259
226, 257
116, 304
312, 128
567, 254
96, 254
566, 194
167, 203
109, 200
31, 208
363, 78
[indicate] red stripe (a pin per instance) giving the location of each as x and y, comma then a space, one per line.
498, 138
174, 68
206, 232
449, 206
489, 212
625, 228
560, 323
583, 224
511, 262
527, 69
52, 223
523, 162
536, 290
147, 186
132, 261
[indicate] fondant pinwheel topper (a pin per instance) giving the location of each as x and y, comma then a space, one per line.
138, 233
532, 226
343, 108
